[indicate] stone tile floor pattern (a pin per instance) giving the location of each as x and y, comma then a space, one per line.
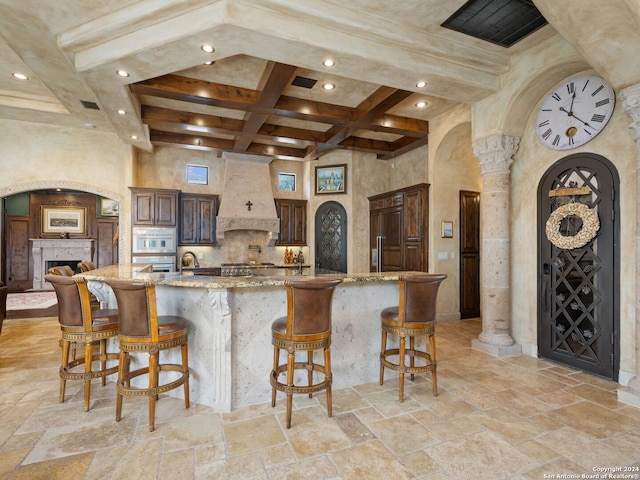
514, 418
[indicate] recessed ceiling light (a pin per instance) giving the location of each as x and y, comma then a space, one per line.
89, 125
328, 62
122, 73
134, 137
122, 111
20, 76
207, 48
421, 104
328, 86
210, 62
421, 84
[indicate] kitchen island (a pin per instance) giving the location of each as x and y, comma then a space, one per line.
230, 350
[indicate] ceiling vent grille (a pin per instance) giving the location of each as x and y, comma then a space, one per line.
503, 22
304, 82
89, 105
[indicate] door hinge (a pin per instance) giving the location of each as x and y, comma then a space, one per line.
613, 339
612, 360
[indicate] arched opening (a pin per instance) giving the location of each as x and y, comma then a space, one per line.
331, 238
40, 211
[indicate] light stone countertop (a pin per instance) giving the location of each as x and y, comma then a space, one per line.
131, 272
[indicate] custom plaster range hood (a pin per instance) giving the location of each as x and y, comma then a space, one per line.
247, 200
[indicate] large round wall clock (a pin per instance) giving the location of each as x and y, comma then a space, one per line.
575, 112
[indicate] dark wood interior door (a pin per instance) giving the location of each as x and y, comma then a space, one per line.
469, 254
17, 253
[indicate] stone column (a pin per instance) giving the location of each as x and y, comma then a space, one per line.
495, 155
631, 104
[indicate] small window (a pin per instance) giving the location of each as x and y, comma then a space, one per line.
287, 182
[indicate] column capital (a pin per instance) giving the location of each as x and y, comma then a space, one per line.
495, 153
631, 105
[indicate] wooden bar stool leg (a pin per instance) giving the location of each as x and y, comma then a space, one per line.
103, 359
290, 368
329, 377
66, 346
153, 383
412, 357
401, 361
276, 363
185, 369
88, 356
432, 354
123, 362
383, 348
310, 369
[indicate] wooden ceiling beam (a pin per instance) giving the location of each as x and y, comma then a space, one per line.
276, 78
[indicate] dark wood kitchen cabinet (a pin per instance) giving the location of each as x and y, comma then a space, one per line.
198, 219
399, 226
293, 221
154, 207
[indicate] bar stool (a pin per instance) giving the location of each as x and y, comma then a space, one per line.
142, 330
414, 317
63, 270
86, 266
82, 328
307, 327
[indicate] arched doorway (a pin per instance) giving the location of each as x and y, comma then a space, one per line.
578, 288
331, 237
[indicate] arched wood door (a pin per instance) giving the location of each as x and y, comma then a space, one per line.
578, 288
331, 237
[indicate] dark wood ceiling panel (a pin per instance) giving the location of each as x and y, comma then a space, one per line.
285, 126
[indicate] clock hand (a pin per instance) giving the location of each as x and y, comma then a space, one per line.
573, 97
572, 115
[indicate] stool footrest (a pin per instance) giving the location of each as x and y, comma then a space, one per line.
429, 367
145, 392
316, 387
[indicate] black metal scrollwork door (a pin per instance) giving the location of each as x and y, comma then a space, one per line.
578, 293
331, 237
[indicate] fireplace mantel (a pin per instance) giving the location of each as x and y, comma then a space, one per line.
57, 249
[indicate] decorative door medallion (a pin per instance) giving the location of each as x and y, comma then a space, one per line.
578, 268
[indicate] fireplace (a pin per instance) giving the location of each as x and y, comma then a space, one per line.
49, 252
73, 264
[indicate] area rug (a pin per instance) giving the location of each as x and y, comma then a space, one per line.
31, 300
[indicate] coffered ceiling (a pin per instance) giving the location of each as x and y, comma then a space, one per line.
263, 91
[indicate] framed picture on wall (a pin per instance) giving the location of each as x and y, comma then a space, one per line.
331, 179
108, 207
198, 174
63, 219
447, 229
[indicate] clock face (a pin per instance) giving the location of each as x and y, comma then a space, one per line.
575, 112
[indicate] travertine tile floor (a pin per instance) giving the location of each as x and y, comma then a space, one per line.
517, 418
